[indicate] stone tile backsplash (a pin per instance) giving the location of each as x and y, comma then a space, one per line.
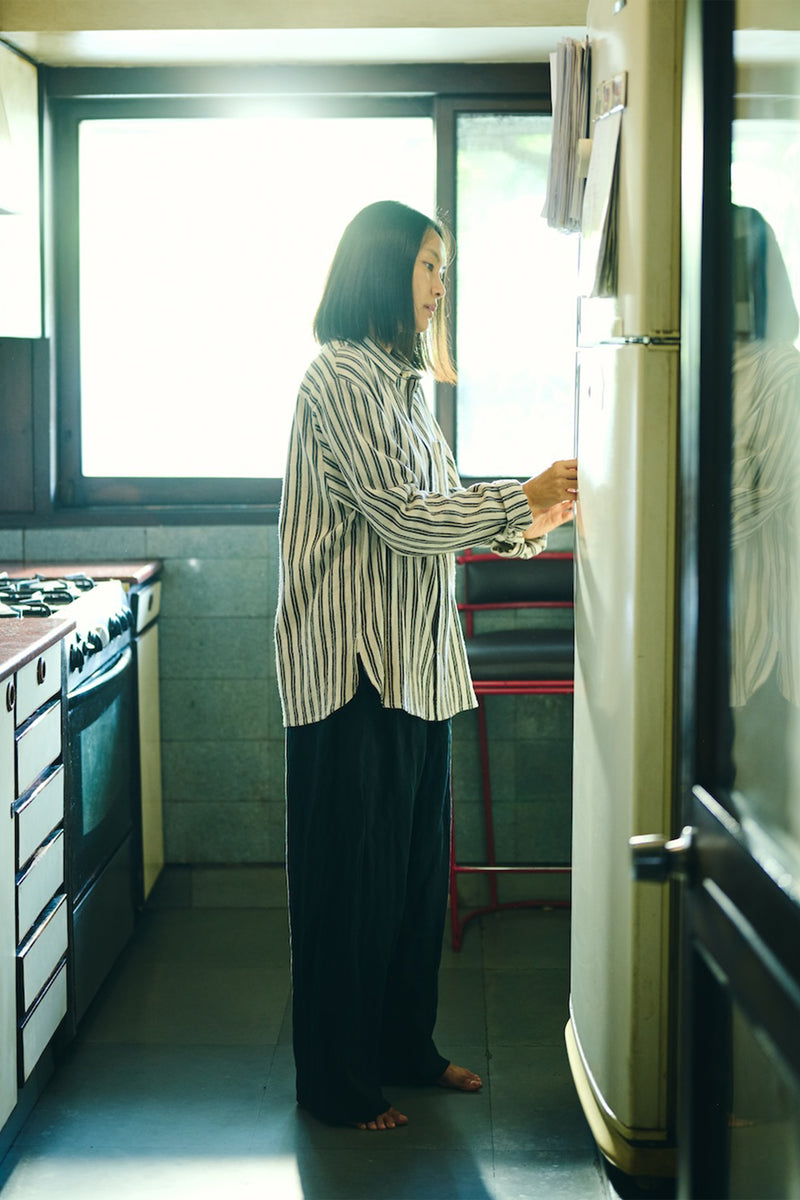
222, 738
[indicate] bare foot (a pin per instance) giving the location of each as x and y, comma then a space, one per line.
391, 1119
461, 1079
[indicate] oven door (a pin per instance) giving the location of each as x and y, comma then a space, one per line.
103, 785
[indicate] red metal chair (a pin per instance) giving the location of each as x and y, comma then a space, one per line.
517, 662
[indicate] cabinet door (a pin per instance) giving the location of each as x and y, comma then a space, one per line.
8, 1009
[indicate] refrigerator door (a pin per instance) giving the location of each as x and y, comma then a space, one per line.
622, 774
644, 40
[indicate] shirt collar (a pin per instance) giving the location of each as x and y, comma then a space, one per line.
400, 369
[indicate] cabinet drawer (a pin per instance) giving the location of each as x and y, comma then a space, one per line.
39, 882
38, 745
38, 813
39, 954
38, 681
147, 605
42, 1022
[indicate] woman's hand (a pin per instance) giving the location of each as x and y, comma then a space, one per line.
553, 486
548, 519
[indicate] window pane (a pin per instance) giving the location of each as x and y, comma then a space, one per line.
204, 246
516, 301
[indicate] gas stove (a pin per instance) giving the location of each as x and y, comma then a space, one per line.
35, 596
100, 610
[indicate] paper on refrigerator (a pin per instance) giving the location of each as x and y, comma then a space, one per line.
597, 270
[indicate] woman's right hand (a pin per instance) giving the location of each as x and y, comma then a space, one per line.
558, 483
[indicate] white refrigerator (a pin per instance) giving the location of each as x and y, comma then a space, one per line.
623, 955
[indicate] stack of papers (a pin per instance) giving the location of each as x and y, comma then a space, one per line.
569, 84
597, 271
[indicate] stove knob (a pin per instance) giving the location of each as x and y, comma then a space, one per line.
75, 658
93, 643
114, 626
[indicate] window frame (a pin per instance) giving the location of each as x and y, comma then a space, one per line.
72, 95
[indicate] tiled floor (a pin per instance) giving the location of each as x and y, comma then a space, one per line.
180, 1084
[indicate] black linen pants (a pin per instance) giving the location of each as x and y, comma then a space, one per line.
368, 828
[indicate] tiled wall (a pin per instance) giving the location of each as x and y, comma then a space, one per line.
222, 737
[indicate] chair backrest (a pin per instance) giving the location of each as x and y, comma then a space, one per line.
490, 581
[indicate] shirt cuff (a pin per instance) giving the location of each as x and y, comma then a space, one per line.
510, 542
516, 546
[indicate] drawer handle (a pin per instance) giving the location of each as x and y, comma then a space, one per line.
41, 670
11, 696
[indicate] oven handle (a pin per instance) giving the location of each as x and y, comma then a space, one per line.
97, 681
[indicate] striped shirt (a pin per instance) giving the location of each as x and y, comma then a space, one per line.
765, 520
372, 515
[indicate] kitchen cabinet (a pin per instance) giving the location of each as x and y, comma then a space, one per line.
8, 969
32, 892
39, 903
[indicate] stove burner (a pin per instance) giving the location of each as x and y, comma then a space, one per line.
25, 608
37, 596
82, 582
57, 596
35, 608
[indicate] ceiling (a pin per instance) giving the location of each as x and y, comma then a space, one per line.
209, 47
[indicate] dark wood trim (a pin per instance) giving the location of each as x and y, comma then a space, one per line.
442, 79
749, 922
704, 1081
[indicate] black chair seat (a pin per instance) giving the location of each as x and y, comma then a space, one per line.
521, 654
519, 581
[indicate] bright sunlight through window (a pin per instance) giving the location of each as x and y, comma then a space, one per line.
204, 245
516, 301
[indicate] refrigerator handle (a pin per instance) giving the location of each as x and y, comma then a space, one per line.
656, 859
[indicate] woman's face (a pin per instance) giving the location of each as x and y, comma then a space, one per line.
427, 286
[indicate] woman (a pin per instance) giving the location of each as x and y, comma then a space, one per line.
372, 666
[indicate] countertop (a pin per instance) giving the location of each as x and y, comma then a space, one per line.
133, 573
20, 641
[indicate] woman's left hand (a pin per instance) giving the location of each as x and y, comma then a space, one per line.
549, 519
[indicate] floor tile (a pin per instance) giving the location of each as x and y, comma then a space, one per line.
219, 937
180, 1085
535, 1108
462, 1009
382, 1167
526, 938
469, 956
168, 1004
111, 1175
143, 1099
517, 1178
526, 1007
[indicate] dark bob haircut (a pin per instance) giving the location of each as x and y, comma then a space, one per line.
368, 292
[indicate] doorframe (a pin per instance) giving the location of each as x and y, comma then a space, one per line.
739, 928
706, 321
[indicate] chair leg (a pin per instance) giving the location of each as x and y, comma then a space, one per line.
488, 815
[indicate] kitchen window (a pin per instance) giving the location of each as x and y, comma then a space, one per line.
191, 241
204, 245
